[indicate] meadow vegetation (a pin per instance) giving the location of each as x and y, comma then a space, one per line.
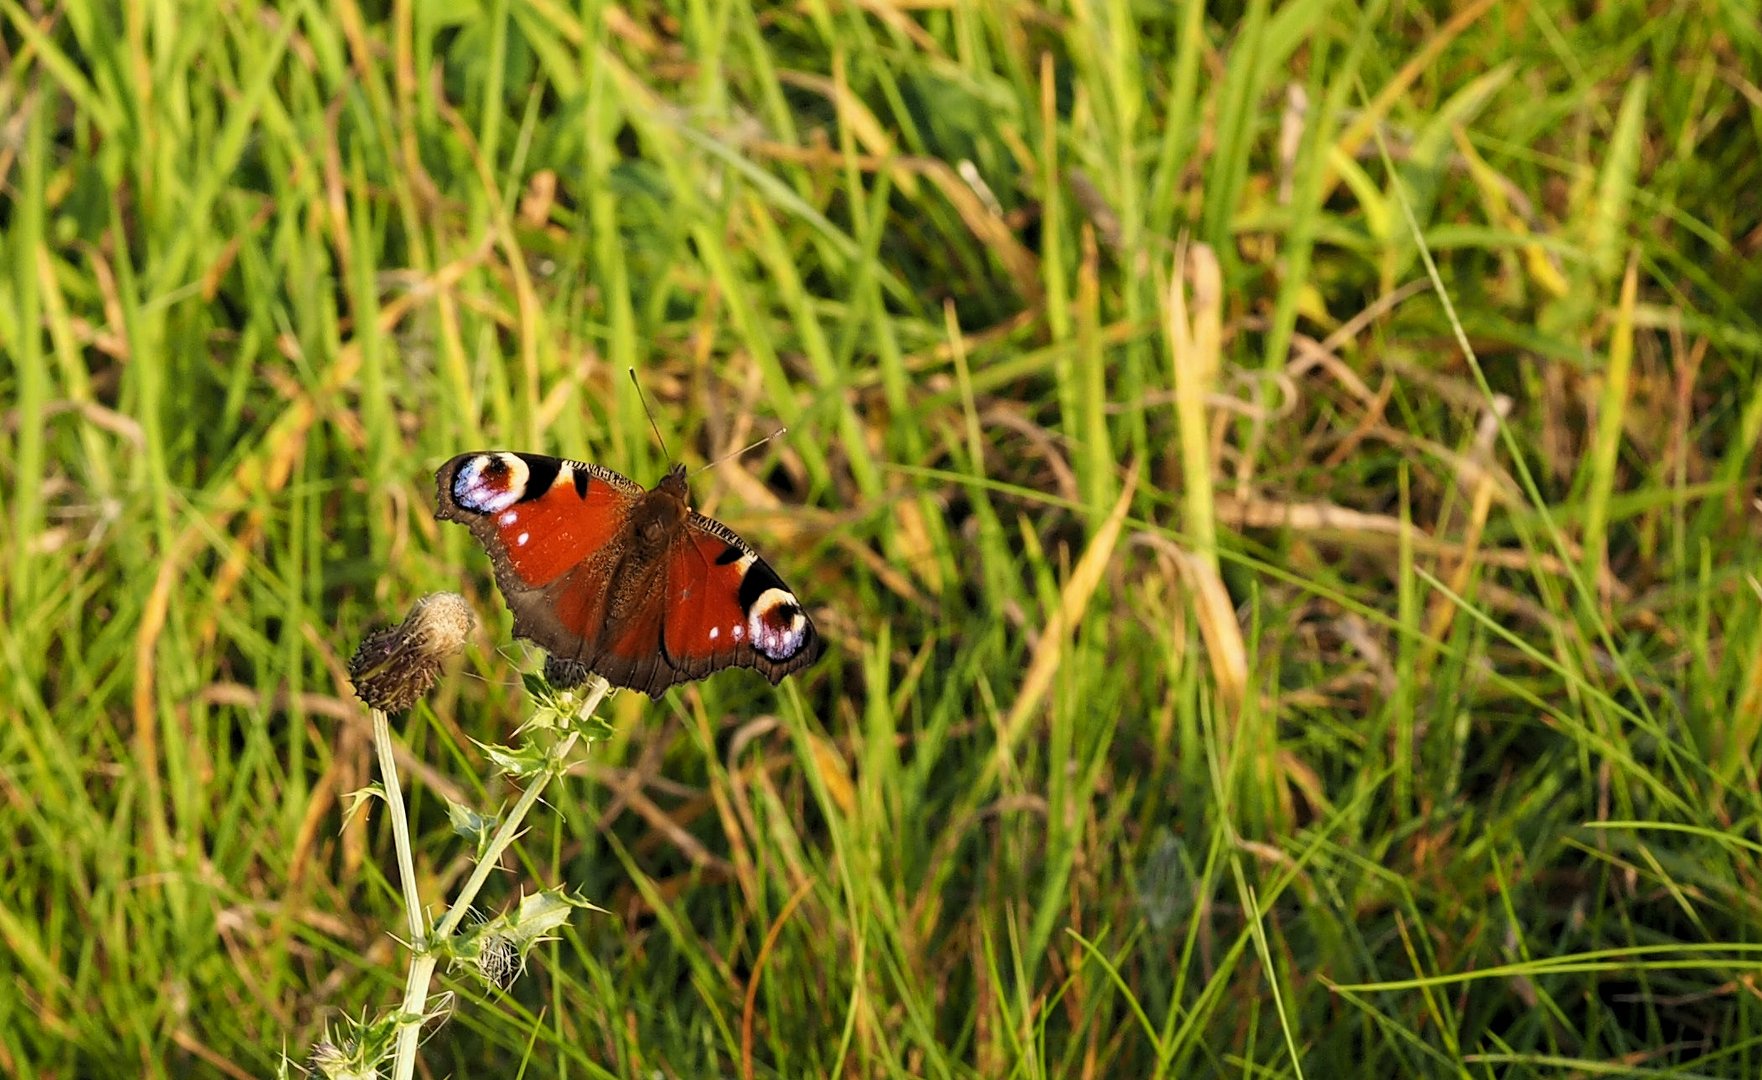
1277, 482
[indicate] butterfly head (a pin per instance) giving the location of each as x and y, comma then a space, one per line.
674, 483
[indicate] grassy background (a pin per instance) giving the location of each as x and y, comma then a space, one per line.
1262, 664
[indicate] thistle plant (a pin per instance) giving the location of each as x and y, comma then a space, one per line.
392, 670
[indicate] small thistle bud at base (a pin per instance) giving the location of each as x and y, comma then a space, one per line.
565, 674
332, 1062
396, 665
325, 1057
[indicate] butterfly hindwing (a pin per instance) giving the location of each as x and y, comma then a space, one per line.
726, 607
634, 654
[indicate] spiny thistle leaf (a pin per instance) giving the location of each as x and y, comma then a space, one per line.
473, 826
519, 762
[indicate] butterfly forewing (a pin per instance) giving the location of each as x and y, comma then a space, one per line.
538, 517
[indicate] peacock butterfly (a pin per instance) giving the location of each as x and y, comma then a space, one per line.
628, 583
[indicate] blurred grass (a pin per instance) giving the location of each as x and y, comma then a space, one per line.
1433, 753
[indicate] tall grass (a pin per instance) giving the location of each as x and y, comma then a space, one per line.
1278, 482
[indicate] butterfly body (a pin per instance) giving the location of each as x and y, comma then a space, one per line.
628, 583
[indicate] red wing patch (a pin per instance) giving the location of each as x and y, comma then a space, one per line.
538, 516
705, 622
578, 604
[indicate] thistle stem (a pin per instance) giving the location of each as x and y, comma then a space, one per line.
428, 948
394, 798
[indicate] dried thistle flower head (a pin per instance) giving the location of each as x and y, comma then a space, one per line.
396, 665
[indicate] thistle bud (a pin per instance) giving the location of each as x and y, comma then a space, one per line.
354, 1050
332, 1062
396, 665
499, 961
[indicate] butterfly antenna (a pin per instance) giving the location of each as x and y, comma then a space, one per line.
656, 428
750, 446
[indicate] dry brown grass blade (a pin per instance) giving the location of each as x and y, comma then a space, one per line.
1194, 326
1219, 628
749, 1009
1359, 529
1073, 601
916, 547
1195, 341
1216, 612
1481, 492
834, 773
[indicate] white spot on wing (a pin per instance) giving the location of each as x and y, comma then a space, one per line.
509, 517
715, 632
520, 541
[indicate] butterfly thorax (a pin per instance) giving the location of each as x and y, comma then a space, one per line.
654, 524
660, 512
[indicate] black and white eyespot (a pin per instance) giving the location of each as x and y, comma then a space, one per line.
490, 483
776, 624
